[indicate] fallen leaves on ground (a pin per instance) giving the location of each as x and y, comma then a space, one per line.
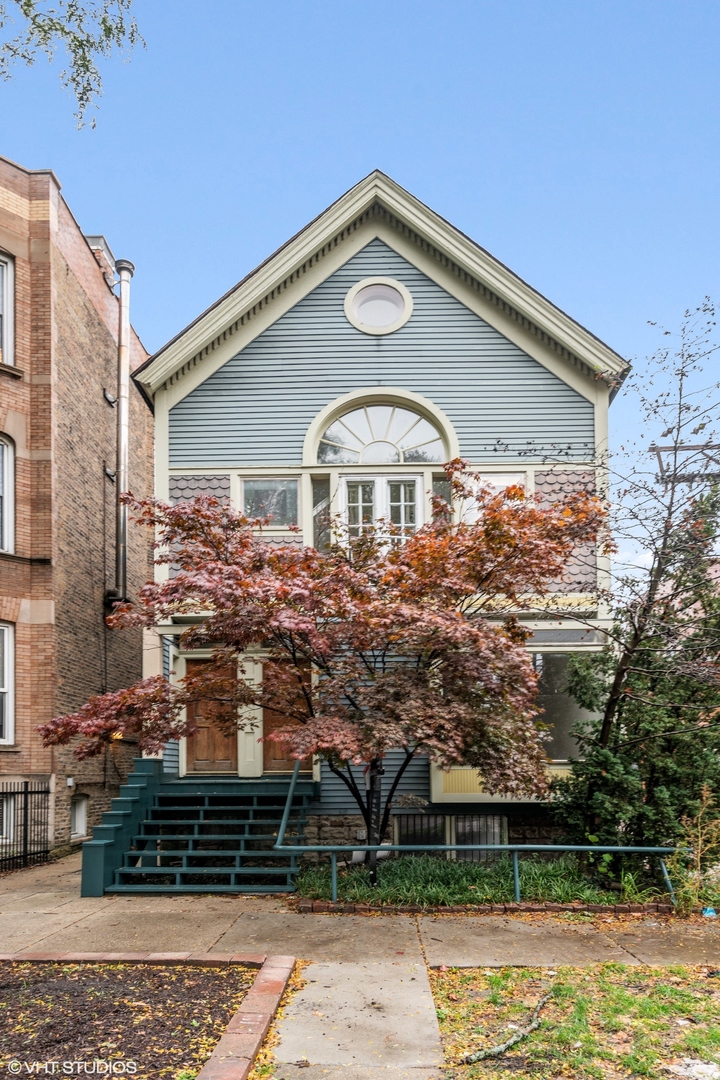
166, 1019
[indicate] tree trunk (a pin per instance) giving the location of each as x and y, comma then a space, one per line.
373, 779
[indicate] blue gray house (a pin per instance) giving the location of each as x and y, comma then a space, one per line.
376, 344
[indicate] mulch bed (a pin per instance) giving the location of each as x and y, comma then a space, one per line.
164, 1019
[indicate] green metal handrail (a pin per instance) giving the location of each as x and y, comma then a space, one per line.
334, 849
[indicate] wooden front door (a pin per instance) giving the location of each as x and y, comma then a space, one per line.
209, 750
274, 754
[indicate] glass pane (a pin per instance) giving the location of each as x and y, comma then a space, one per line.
401, 423
2, 494
336, 455
380, 416
357, 422
321, 512
561, 711
441, 487
321, 492
380, 453
432, 452
360, 506
402, 505
378, 305
2, 311
421, 432
340, 434
275, 499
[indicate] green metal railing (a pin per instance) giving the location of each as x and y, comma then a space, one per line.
514, 849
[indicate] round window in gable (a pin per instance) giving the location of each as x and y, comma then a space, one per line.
378, 305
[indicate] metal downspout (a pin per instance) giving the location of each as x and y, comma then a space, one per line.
125, 271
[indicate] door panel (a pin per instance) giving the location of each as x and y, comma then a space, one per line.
274, 754
209, 751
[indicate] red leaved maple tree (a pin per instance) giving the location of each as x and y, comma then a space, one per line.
412, 642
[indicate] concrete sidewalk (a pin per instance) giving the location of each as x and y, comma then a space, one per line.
42, 909
366, 1009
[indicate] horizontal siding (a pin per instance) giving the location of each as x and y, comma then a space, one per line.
336, 799
256, 409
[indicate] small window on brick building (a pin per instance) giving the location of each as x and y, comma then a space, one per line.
78, 816
7, 303
7, 495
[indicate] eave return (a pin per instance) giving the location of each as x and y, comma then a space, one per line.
206, 836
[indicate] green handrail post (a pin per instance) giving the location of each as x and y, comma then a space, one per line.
668, 882
333, 865
516, 876
288, 805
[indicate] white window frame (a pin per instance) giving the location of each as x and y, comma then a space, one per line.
78, 803
7, 683
8, 310
381, 482
7, 525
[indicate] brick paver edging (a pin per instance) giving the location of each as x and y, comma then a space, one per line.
324, 907
234, 1054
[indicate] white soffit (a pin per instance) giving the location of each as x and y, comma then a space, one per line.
305, 246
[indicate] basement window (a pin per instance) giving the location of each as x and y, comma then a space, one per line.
78, 817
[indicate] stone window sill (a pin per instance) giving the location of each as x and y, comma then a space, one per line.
5, 748
11, 370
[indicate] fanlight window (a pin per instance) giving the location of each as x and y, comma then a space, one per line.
381, 435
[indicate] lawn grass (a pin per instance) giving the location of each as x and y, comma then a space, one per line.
602, 1023
431, 881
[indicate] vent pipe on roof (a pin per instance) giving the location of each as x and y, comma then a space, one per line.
125, 270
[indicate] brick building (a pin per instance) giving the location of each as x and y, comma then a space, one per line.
58, 413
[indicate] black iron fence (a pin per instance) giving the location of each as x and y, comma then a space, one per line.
24, 823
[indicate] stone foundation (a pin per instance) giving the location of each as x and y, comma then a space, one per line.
334, 829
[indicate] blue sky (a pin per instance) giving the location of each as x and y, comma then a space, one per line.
576, 141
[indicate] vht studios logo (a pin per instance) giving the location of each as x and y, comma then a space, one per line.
96, 1067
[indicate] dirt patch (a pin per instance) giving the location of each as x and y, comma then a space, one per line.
165, 1020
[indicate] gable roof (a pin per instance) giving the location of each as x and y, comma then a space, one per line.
377, 194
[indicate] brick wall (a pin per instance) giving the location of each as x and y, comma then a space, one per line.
63, 430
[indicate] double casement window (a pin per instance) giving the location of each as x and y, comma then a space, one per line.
7, 492
7, 303
7, 671
396, 501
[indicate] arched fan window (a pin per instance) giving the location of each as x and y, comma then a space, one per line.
381, 435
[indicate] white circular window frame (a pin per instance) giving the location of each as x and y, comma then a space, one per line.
378, 330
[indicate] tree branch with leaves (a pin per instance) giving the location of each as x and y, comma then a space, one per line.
86, 30
382, 642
